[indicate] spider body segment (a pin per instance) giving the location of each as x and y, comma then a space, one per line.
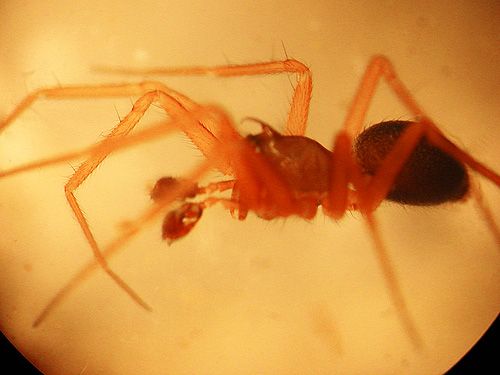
429, 177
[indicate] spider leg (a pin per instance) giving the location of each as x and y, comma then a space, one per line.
435, 136
175, 105
343, 169
98, 91
161, 129
370, 192
299, 108
392, 282
485, 210
375, 191
115, 246
88, 166
367, 197
179, 190
379, 66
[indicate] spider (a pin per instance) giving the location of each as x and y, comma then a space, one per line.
271, 174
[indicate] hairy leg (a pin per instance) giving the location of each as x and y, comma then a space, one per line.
299, 108
175, 105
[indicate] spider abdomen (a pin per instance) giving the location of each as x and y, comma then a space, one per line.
429, 177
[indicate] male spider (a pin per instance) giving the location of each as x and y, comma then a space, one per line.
276, 175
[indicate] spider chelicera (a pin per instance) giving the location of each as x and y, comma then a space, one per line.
271, 174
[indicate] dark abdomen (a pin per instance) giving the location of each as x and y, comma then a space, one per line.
429, 177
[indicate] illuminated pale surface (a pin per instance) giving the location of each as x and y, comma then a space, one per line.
253, 296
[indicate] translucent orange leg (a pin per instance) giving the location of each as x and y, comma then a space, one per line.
381, 183
370, 193
378, 67
106, 147
345, 171
299, 108
161, 129
174, 105
87, 91
224, 151
129, 231
173, 102
84, 171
